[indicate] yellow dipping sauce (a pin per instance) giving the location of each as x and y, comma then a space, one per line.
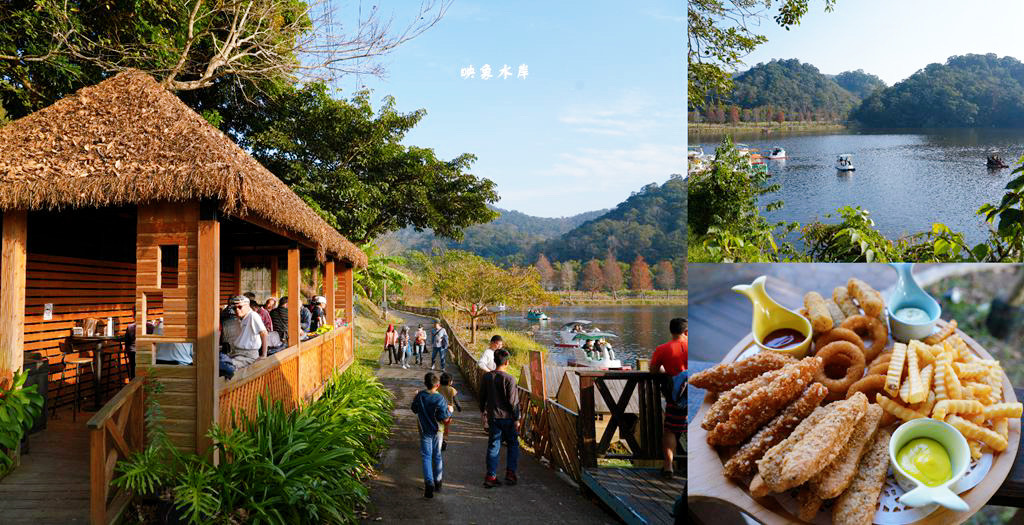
926, 461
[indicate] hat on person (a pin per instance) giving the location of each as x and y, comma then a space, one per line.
320, 299
239, 299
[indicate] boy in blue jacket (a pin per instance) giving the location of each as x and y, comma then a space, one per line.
431, 409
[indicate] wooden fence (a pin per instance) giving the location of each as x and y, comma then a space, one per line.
115, 432
295, 374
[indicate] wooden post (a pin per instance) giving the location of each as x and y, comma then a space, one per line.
346, 293
330, 287
238, 276
585, 428
273, 278
314, 273
12, 290
207, 358
98, 476
294, 300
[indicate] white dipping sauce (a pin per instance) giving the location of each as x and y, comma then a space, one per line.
911, 315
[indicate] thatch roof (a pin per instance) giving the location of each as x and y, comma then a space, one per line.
129, 141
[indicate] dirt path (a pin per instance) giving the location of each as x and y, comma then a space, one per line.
396, 492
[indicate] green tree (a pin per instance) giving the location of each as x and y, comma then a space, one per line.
567, 275
349, 163
380, 272
472, 285
719, 34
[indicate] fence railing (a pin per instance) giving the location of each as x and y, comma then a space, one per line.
115, 432
295, 374
642, 432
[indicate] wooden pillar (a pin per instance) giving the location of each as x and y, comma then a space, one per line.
273, 278
345, 287
207, 355
294, 300
315, 275
238, 276
329, 289
12, 290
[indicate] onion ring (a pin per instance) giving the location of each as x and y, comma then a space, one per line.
839, 334
866, 326
870, 385
883, 357
878, 368
843, 355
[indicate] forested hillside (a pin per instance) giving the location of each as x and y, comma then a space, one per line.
859, 83
966, 91
793, 87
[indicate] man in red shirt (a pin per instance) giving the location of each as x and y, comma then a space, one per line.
670, 358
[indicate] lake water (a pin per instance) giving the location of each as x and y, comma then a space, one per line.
640, 328
907, 180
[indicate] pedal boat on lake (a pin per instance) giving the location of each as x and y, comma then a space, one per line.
845, 162
776, 154
536, 315
602, 358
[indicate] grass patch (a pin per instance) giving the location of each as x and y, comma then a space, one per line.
519, 345
369, 332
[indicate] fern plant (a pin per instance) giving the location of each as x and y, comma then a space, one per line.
19, 408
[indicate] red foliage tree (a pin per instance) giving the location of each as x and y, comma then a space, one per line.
734, 114
547, 272
593, 277
665, 275
780, 117
640, 275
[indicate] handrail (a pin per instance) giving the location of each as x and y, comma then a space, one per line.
115, 432
123, 396
269, 363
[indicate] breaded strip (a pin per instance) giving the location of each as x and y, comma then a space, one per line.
857, 505
843, 300
744, 462
725, 376
800, 457
764, 403
869, 299
809, 503
817, 312
837, 313
832, 481
719, 411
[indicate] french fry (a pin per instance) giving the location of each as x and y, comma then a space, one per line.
905, 392
951, 406
995, 380
1002, 427
929, 405
924, 352
973, 370
939, 381
980, 433
897, 409
895, 371
942, 335
1003, 410
953, 387
917, 391
975, 448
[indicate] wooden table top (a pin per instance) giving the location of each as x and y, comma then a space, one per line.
1010, 494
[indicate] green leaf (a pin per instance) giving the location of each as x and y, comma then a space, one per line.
980, 252
1008, 219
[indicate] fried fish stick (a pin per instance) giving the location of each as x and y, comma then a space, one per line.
869, 298
817, 312
832, 481
764, 403
794, 461
719, 411
857, 505
809, 503
725, 376
744, 462
941, 335
837, 313
843, 300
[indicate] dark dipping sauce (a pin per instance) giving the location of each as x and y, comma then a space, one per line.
783, 337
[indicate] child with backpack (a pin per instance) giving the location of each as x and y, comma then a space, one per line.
449, 393
431, 410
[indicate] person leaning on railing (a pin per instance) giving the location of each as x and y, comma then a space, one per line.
670, 358
250, 343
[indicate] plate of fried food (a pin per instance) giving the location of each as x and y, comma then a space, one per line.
853, 427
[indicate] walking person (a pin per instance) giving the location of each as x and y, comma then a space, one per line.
419, 346
486, 360
499, 408
450, 395
403, 345
440, 342
390, 340
670, 358
431, 410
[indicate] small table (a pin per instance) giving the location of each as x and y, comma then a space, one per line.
97, 358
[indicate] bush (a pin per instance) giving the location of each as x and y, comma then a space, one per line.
277, 466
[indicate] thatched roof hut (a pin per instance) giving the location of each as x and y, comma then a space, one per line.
129, 141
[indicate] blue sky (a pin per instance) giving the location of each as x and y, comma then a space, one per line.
600, 114
894, 39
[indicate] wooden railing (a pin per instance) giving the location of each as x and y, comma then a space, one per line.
115, 432
642, 432
295, 374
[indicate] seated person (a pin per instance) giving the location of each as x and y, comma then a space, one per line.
250, 343
305, 320
172, 353
279, 316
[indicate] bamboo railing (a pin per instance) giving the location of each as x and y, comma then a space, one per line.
115, 432
295, 374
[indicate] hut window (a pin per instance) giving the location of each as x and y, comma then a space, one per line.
168, 272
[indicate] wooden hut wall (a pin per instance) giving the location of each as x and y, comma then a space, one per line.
78, 289
161, 226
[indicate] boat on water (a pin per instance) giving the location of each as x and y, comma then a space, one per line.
775, 153
565, 335
596, 351
995, 161
499, 308
536, 315
845, 162
696, 160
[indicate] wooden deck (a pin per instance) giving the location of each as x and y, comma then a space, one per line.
52, 484
637, 495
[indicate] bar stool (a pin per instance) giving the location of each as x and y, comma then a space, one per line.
67, 348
